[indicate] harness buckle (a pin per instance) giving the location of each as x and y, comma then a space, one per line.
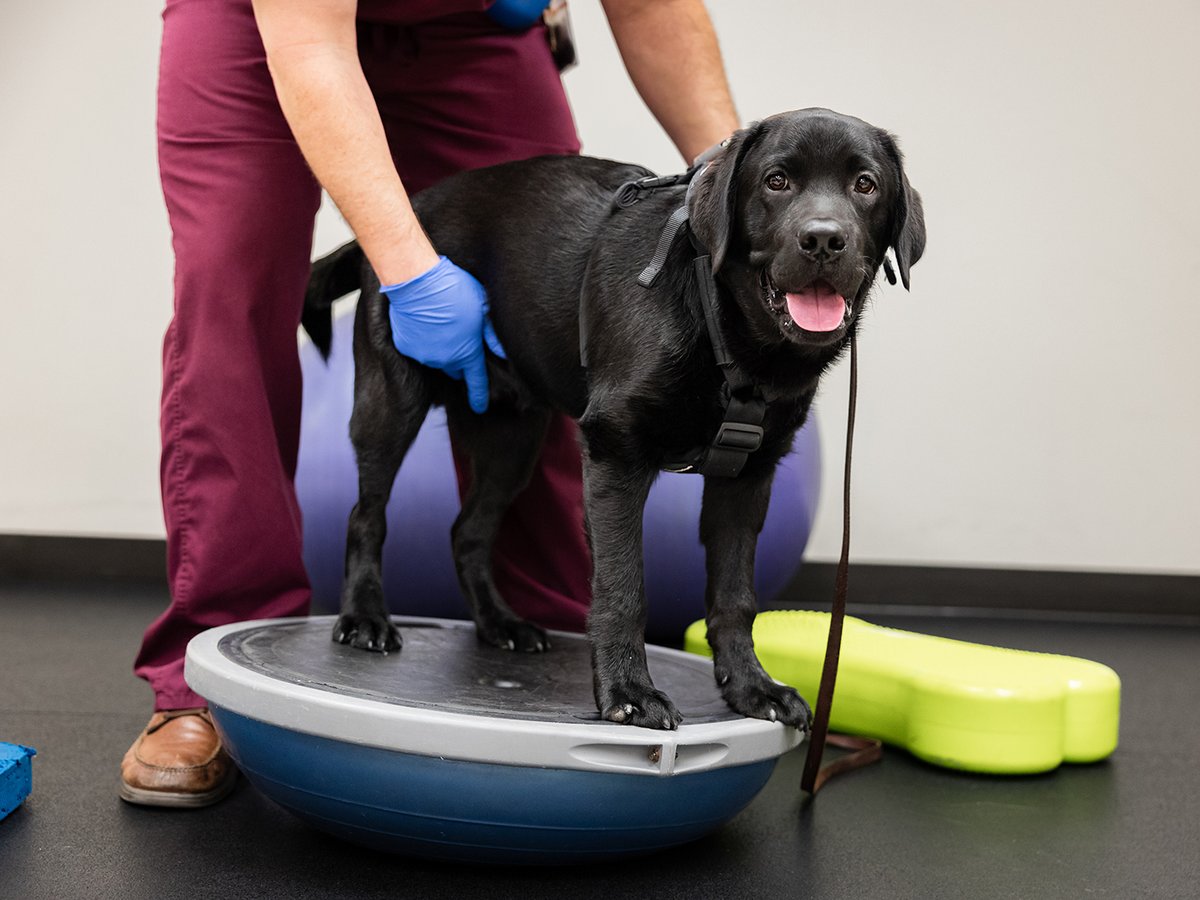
738, 436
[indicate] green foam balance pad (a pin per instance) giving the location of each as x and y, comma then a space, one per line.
16, 776
952, 703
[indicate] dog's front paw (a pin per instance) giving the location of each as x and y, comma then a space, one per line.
513, 634
762, 698
367, 632
643, 705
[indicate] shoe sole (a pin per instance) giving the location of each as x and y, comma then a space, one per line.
177, 799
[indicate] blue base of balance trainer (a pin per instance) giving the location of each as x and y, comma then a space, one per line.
16, 776
453, 750
482, 812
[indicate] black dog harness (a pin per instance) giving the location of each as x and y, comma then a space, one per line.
743, 400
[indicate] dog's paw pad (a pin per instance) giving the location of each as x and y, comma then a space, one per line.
374, 633
652, 709
516, 635
619, 714
768, 700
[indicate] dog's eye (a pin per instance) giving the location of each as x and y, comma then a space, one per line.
864, 185
777, 181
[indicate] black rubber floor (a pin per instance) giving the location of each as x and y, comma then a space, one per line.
1125, 828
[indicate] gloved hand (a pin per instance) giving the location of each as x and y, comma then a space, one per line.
440, 319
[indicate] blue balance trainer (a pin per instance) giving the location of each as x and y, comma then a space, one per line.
456, 750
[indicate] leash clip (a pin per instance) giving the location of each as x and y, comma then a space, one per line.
631, 191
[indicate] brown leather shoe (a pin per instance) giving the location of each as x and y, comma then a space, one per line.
177, 760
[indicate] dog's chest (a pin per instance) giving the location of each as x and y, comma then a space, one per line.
679, 425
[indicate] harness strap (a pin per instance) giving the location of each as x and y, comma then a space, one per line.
738, 436
665, 241
740, 432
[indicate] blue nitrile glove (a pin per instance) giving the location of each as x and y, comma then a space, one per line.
440, 319
518, 14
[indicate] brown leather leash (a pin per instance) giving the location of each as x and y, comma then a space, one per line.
864, 750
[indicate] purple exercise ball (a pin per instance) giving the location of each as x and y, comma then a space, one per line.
418, 572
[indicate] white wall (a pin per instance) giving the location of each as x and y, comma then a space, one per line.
1032, 403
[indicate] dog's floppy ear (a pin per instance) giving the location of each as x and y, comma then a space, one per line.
712, 210
908, 218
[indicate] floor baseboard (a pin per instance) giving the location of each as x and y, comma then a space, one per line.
56, 559
928, 587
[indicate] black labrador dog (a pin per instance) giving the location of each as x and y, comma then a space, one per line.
794, 215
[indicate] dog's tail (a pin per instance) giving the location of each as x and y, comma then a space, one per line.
332, 276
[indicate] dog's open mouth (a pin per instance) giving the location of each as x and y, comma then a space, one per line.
818, 307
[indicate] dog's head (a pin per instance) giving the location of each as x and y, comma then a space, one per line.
800, 210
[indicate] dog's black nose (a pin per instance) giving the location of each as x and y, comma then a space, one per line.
822, 237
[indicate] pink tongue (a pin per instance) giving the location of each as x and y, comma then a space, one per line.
817, 308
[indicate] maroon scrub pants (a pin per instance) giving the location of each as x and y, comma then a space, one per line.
455, 92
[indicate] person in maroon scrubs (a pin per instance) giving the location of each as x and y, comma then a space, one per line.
261, 103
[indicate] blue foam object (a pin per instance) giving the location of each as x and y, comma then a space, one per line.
418, 569
456, 750
16, 776
401, 802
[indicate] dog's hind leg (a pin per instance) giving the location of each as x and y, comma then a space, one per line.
503, 447
731, 518
615, 495
391, 399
